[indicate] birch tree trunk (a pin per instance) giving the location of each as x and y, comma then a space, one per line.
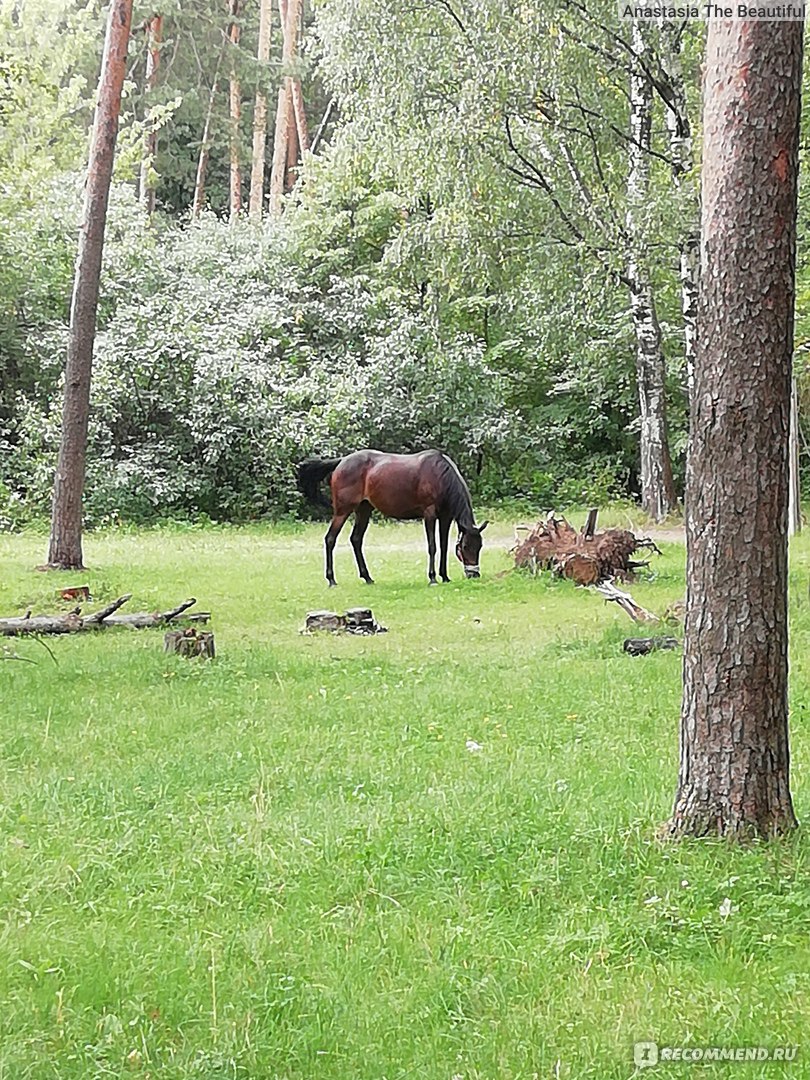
198, 203
65, 550
146, 187
236, 115
256, 201
681, 150
657, 487
734, 769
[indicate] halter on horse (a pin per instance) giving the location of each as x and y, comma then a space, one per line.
404, 486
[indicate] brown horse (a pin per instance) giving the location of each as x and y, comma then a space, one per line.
404, 486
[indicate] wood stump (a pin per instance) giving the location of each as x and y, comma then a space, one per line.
189, 643
354, 621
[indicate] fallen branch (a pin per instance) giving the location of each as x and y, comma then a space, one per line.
626, 602
73, 622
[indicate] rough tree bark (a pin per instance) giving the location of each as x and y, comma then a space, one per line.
236, 115
256, 201
146, 187
734, 770
65, 551
658, 496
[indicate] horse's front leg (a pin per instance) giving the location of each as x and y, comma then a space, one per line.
338, 521
430, 529
444, 535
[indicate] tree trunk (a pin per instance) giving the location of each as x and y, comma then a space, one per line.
198, 203
256, 202
285, 150
795, 496
681, 149
154, 31
290, 175
294, 16
65, 550
279, 167
657, 487
734, 771
236, 115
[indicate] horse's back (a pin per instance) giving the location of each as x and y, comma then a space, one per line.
398, 485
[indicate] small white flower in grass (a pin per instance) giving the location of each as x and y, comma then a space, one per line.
473, 746
727, 908
684, 884
561, 785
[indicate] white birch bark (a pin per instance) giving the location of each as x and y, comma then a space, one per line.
657, 487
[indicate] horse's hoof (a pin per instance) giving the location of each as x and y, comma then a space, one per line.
332, 584
369, 580
433, 581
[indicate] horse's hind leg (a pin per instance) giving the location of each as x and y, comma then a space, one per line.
430, 529
362, 516
338, 521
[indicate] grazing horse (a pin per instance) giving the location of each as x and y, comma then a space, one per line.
404, 486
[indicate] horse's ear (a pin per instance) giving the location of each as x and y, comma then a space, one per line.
482, 527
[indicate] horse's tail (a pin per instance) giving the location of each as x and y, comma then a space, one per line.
311, 474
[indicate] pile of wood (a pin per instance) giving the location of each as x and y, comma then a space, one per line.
354, 621
586, 557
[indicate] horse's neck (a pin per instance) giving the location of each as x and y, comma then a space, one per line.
465, 519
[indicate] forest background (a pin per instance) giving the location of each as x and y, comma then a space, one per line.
489, 246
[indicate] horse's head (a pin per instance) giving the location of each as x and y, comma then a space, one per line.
468, 549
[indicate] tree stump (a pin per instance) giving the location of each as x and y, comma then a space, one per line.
324, 620
189, 643
355, 621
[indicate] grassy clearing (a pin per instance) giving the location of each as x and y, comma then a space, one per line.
287, 863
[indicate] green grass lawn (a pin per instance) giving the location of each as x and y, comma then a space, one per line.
286, 863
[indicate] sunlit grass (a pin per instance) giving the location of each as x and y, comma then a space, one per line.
287, 863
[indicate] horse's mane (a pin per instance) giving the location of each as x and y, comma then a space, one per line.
456, 493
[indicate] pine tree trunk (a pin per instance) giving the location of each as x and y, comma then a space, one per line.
294, 16
256, 202
734, 771
286, 137
279, 166
236, 116
154, 31
290, 175
658, 496
65, 551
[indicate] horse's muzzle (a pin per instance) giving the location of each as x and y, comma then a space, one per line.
472, 571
